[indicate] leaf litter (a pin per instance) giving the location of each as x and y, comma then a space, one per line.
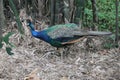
34, 59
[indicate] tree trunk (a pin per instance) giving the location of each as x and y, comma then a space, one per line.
72, 10
95, 17
2, 19
40, 6
117, 19
53, 2
60, 11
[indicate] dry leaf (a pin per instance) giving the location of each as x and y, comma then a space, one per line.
32, 75
64, 78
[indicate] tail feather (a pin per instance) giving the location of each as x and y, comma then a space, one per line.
91, 33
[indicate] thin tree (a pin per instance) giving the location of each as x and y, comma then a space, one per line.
80, 6
72, 10
40, 7
53, 2
95, 17
2, 19
117, 19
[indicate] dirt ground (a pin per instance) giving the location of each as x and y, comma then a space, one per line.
34, 59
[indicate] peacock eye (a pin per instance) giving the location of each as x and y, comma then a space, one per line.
22, 20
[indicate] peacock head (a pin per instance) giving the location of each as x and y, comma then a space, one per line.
30, 24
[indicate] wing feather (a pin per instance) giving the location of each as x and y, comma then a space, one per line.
62, 30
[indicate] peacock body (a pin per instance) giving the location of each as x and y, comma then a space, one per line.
62, 35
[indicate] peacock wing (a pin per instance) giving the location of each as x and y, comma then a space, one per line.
59, 31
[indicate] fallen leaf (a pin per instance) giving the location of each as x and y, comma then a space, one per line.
32, 75
64, 78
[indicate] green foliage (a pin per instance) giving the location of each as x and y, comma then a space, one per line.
6, 40
16, 16
109, 42
106, 14
105, 11
6, 37
1, 45
8, 49
107, 46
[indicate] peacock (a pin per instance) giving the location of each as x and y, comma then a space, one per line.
63, 34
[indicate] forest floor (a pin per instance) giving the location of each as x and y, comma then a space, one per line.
34, 59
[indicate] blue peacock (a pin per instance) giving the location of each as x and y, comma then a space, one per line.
63, 34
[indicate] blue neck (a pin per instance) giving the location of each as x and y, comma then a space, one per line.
39, 34
31, 26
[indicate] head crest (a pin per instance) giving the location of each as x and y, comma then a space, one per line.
28, 21
30, 24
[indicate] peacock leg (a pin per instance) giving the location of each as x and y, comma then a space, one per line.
60, 53
63, 52
66, 52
